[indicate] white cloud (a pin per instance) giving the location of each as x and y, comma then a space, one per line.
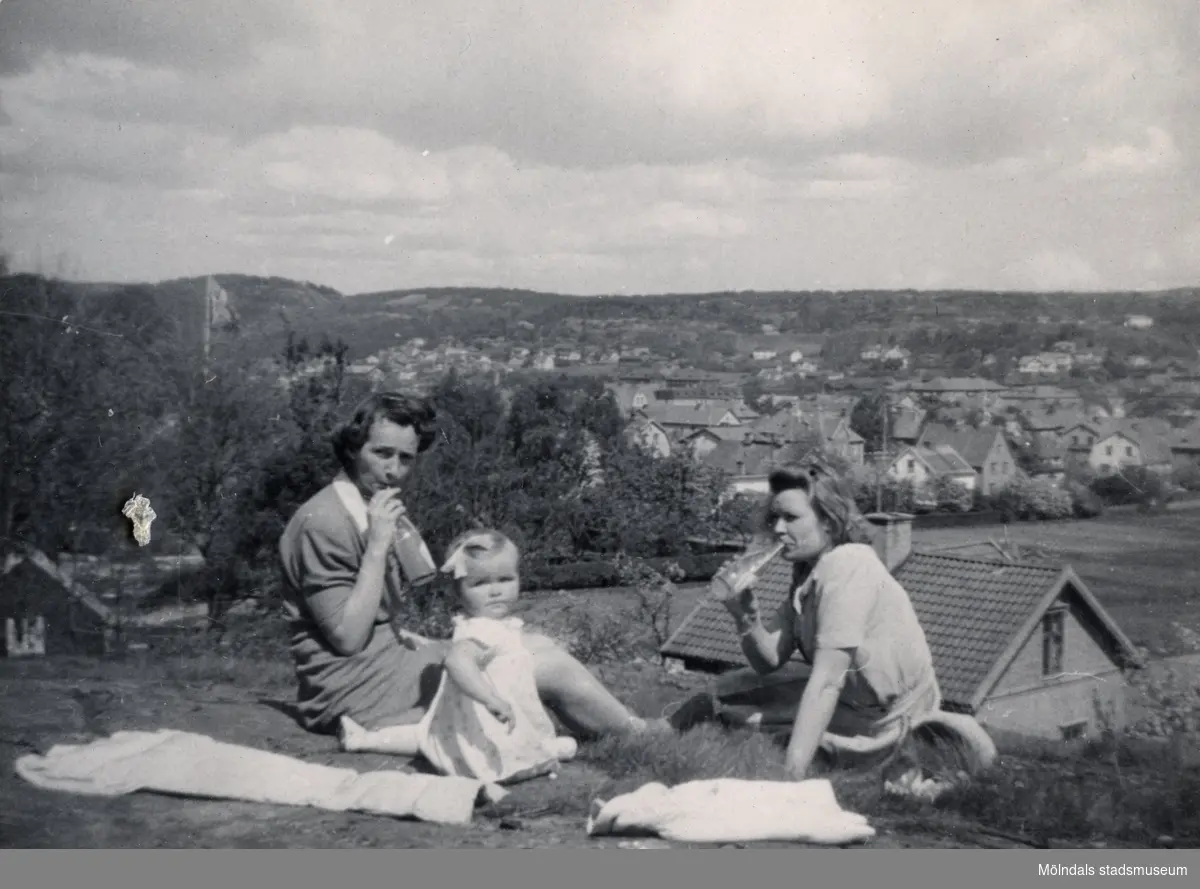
1157, 153
672, 145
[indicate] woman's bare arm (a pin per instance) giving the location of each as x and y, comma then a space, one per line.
817, 705
345, 618
769, 647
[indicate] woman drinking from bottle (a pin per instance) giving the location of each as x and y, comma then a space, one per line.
339, 570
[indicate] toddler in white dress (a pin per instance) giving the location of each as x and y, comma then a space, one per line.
486, 720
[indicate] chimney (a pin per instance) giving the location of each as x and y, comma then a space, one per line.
893, 537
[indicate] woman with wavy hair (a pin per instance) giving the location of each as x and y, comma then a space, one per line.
339, 570
868, 672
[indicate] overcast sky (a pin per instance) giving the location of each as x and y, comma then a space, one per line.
604, 146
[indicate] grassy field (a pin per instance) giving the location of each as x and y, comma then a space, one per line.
1119, 792
1143, 568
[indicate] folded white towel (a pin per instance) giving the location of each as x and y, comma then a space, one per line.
728, 810
194, 765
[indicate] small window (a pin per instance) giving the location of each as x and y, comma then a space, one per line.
1108, 450
1128, 450
1074, 439
1074, 731
994, 468
912, 465
1053, 625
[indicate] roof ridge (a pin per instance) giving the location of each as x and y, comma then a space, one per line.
1057, 569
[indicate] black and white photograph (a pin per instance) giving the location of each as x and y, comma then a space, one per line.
616, 425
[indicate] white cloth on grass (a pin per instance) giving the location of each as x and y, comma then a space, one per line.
461, 737
730, 810
186, 764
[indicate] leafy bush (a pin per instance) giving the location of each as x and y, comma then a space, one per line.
1085, 502
1132, 484
1171, 697
603, 572
1031, 499
952, 496
655, 591
1187, 477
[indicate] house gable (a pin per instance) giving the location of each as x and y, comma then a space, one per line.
1088, 613
1087, 650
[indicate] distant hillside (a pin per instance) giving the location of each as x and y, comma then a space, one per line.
691, 326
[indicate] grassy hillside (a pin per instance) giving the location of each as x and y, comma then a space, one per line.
687, 325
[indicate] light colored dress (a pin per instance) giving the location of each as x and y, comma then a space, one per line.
463, 738
849, 601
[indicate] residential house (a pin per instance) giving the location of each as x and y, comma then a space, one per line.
839, 438
1132, 441
749, 463
924, 465
956, 390
742, 411
1138, 361
904, 425
1185, 446
45, 612
632, 397
1041, 397
1024, 648
1078, 440
1051, 421
679, 420
763, 354
701, 442
985, 449
1139, 322
1050, 458
1045, 363
830, 431
646, 432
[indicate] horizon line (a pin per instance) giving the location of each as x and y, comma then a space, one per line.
956, 290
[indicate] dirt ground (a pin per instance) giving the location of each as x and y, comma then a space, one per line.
37, 711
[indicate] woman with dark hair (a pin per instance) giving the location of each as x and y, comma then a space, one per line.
868, 672
338, 566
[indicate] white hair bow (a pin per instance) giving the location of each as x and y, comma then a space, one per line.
456, 563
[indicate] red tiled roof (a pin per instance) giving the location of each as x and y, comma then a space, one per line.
972, 612
756, 458
722, 433
703, 414
972, 444
943, 459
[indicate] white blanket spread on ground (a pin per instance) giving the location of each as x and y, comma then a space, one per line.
194, 765
728, 810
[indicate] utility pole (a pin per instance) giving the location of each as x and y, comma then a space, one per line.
882, 459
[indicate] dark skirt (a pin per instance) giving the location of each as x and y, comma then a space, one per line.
388, 683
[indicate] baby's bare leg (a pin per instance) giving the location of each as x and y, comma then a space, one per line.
398, 740
577, 697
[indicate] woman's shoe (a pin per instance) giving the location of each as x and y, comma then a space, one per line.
696, 710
